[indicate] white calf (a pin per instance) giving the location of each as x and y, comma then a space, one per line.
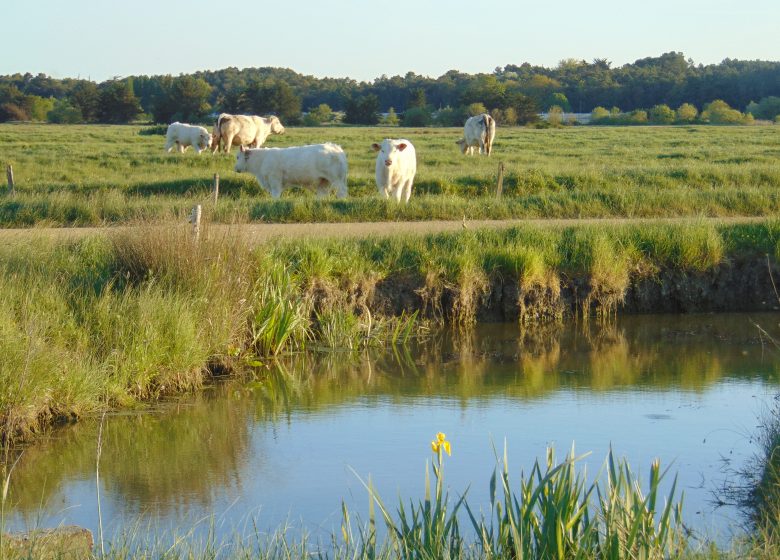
316, 167
396, 164
185, 135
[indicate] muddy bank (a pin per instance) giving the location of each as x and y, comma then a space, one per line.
736, 285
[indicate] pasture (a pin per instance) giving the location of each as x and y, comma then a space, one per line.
79, 175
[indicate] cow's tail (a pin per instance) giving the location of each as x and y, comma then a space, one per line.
490, 132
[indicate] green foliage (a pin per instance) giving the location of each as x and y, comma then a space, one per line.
362, 110
417, 99
319, 115
686, 113
417, 116
719, 112
474, 109
64, 113
117, 103
767, 108
661, 114
271, 97
449, 116
557, 99
599, 115
38, 107
184, 98
85, 96
390, 119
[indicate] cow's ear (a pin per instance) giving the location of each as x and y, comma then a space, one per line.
375, 147
401, 147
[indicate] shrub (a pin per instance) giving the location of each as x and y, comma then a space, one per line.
719, 112
599, 114
449, 116
687, 113
555, 116
661, 114
64, 113
417, 116
390, 119
475, 109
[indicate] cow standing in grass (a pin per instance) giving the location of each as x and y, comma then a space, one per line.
396, 164
244, 130
184, 135
316, 167
478, 132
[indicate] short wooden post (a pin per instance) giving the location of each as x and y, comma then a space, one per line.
216, 188
9, 173
500, 185
195, 221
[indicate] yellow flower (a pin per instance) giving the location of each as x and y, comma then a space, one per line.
441, 443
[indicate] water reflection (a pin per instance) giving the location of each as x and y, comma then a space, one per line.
254, 441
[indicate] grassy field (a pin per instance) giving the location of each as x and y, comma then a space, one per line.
92, 175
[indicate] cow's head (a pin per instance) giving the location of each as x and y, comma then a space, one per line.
389, 150
276, 125
462, 145
242, 159
204, 140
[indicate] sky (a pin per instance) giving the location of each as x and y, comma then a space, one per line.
364, 39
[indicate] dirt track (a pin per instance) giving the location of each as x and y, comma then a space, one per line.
262, 232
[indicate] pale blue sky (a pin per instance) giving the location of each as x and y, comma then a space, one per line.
361, 39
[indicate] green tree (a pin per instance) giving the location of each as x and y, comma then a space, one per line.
510, 116
64, 112
85, 97
417, 98
558, 99
184, 98
117, 103
449, 116
322, 112
661, 114
38, 107
719, 112
687, 113
767, 108
272, 97
390, 119
362, 110
417, 116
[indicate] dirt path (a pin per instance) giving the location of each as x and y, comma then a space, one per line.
262, 232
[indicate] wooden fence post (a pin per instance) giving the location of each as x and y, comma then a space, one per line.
9, 173
500, 185
216, 188
195, 221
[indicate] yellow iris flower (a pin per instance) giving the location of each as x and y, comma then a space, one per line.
441, 443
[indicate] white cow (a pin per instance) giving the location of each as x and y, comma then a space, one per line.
479, 131
316, 167
244, 130
396, 164
185, 135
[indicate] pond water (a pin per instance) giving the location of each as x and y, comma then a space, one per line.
290, 446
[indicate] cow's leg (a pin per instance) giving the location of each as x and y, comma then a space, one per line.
407, 188
398, 192
228, 142
341, 188
274, 185
180, 147
168, 145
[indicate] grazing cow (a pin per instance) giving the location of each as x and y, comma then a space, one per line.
478, 131
185, 135
316, 167
244, 130
396, 164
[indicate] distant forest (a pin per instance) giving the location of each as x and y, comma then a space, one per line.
515, 94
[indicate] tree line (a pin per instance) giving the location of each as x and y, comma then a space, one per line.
514, 94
